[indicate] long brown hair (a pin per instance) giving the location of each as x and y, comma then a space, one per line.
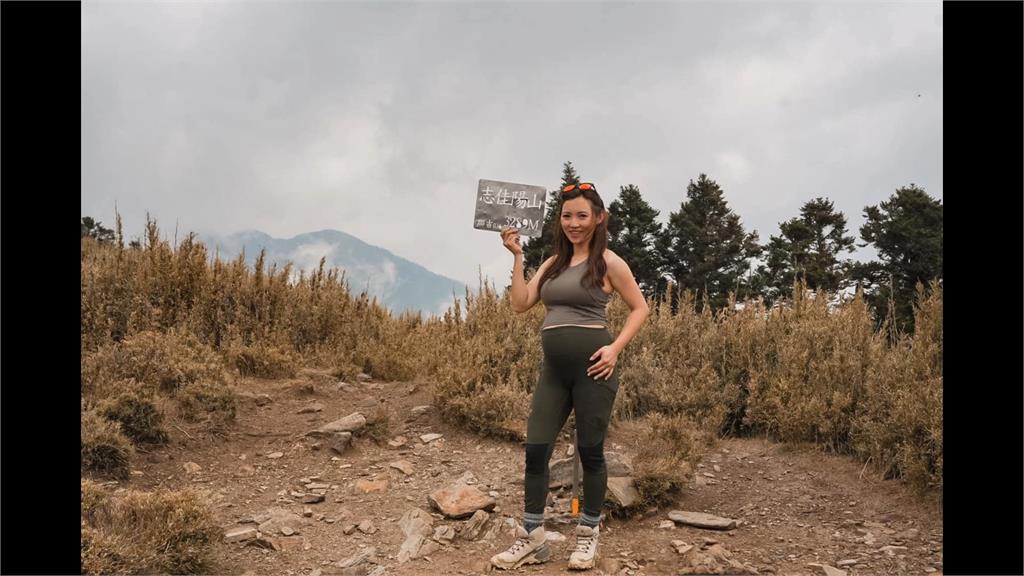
596, 266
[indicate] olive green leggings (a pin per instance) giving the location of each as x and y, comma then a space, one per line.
564, 386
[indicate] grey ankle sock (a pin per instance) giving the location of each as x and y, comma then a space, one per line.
590, 521
532, 521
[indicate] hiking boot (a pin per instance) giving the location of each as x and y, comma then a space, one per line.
585, 554
529, 548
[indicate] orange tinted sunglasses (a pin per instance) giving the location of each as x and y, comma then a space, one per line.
584, 186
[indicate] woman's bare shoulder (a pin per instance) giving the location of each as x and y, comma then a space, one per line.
612, 259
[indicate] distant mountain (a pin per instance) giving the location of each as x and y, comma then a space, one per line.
396, 282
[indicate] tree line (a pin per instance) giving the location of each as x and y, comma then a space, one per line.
704, 248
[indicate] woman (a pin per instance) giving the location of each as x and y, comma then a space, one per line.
578, 372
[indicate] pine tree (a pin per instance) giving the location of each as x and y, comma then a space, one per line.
809, 248
906, 231
706, 249
633, 232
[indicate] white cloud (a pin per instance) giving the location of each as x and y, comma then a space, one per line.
378, 119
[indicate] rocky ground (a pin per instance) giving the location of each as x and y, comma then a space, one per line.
291, 504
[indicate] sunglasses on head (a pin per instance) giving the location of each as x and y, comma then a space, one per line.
584, 186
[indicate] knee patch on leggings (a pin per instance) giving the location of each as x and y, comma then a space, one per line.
537, 456
592, 457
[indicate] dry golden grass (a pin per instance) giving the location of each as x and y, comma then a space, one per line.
214, 403
168, 532
158, 361
488, 365
668, 450
812, 390
378, 425
264, 360
171, 319
106, 451
899, 427
141, 421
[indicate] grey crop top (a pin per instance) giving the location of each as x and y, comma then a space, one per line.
568, 302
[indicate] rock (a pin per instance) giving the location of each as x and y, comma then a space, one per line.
191, 467
312, 498
345, 387
317, 486
416, 546
681, 547
357, 558
622, 491
287, 530
420, 410
666, 524
467, 478
496, 529
828, 570
702, 520
263, 399
363, 377
845, 563
307, 512
351, 423
314, 407
428, 547
275, 519
367, 527
715, 559
891, 550
428, 438
552, 536
398, 441
444, 534
264, 542
371, 486
717, 468
275, 455
339, 441
472, 529
410, 548
460, 501
561, 470
239, 534
416, 521
348, 529
370, 402
403, 466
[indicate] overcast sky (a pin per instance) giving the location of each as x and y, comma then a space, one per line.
379, 119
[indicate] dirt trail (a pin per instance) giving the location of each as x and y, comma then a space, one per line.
797, 505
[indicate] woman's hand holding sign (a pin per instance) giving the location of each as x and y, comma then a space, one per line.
510, 238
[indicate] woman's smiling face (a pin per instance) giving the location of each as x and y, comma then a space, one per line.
578, 221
